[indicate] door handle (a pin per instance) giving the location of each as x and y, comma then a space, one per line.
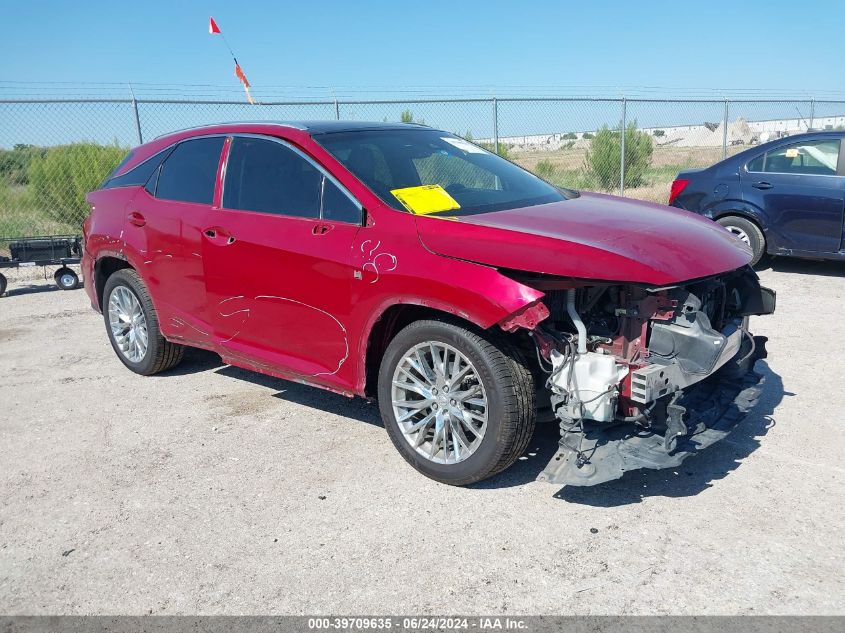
136, 219
762, 185
219, 236
322, 229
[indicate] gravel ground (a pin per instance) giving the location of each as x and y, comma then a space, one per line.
215, 490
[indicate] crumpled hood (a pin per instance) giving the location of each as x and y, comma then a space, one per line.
594, 236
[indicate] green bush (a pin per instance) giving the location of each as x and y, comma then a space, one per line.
603, 158
61, 177
659, 133
14, 163
503, 149
587, 136
545, 169
569, 136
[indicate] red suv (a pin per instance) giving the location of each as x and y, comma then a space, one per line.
467, 295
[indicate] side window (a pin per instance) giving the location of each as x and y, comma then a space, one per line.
138, 175
189, 173
336, 205
270, 177
818, 158
756, 164
266, 176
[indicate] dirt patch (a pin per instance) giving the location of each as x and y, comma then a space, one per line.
238, 403
11, 333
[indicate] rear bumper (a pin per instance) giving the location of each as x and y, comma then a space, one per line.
713, 407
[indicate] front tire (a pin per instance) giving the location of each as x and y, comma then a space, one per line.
132, 325
748, 232
458, 405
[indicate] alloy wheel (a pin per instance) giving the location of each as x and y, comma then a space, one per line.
128, 324
739, 233
439, 402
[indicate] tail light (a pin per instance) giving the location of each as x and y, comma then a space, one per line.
678, 185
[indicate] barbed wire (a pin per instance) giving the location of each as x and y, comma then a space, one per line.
58, 89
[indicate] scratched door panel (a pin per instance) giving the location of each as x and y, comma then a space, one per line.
279, 292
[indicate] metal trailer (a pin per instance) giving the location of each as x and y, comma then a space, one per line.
51, 250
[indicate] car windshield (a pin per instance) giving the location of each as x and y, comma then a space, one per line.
427, 171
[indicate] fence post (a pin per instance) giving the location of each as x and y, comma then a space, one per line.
622, 148
137, 118
336, 110
725, 132
812, 113
495, 125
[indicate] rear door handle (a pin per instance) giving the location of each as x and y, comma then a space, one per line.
762, 185
321, 229
219, 236
136, 219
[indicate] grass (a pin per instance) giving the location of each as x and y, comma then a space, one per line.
21, 216
567, 168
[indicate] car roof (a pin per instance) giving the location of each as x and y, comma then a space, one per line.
312, 127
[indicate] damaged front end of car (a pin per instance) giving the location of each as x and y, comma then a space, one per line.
643, 377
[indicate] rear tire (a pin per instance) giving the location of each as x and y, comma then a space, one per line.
131, 319
477, 390
3, 284
747, 232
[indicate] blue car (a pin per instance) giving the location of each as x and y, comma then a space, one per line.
785, 197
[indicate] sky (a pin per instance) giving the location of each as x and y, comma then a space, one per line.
376, 48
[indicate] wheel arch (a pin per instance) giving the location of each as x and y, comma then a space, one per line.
104, 268
742, 210
389, 323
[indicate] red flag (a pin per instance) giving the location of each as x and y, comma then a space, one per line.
212, 26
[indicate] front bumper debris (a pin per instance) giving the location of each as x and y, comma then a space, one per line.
703, 415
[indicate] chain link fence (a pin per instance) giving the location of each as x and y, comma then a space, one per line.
53, 151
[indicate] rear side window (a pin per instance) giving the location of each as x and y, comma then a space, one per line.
189, 173
815, 158
120, 165
139, 174
266, 176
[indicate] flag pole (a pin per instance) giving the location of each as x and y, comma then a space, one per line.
213, 29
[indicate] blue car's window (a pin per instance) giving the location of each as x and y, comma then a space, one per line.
819, 158
477, 180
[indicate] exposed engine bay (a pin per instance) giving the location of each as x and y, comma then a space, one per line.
641, 377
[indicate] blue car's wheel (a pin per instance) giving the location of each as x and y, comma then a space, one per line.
747, 232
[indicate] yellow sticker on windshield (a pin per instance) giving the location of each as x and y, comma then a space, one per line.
425, 199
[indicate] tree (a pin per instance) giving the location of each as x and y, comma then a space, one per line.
408, 117
503, 149
603, 157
